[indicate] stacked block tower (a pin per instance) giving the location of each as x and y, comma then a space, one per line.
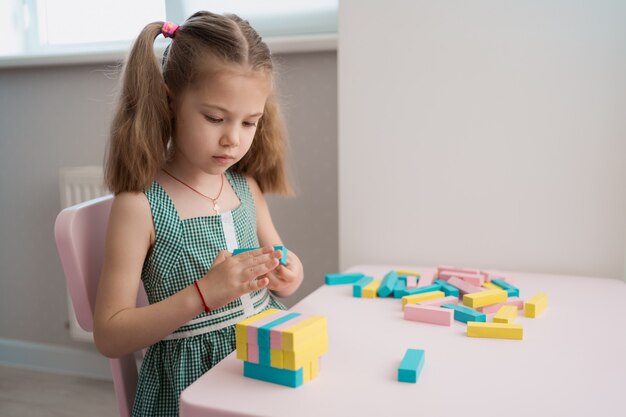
281, 347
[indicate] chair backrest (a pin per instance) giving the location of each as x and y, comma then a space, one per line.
80, 232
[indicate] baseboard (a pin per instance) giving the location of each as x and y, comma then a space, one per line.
55, 359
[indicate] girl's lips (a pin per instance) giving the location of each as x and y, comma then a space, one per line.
224, 159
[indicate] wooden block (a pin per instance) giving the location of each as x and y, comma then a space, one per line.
448, 289
427, 314
513, 301
411, 365
483, 298
253, 353
463, 286
388, 284
357, 288
536, 305
340, 279
474, 279
252, 329
242, 351
411, 281
276, 333
241, 334
495, 330
421, 290
285, 377
447, 268
264, 330
315, 368
510, 289
400, 288
305, 354
412, 299
425, 280
304, 332
464, 314
408, 273
506, 314
490, 286
371, 289
276, 358
437, 302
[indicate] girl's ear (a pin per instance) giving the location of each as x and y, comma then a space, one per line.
170, 99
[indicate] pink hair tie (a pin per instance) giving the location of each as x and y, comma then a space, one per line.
169, 29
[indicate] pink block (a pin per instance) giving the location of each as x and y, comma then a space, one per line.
464, 286
444, 268
440, 301
253, 328
428, 314
474, 279
495, 274
513, 301
276, 340
426, 280
411, 282
253, 353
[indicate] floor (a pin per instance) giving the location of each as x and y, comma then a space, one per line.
28, 393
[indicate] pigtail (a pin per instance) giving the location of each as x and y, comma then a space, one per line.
265, 161
142, 126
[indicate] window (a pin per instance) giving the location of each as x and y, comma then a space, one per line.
49, 27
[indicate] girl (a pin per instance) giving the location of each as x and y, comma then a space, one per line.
194, 146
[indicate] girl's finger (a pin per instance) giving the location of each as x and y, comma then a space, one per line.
259, 270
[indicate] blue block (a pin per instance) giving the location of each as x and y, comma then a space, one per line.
465, 314
402, 278
421, 290
411, 365
282, 260
339, 279
510, 289
263, 338
448, 289
388, 284
399, 288
265, 356
279, 376
357, 288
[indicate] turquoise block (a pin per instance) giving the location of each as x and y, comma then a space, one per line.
279, 376
265, 357
411, 365
448, 289
339, 279
511, 290
264, 331
402, 278
357, 288
388, 284
282, 260
400, 287
421, 290
465, 314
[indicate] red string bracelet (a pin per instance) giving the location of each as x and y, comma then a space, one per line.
206, 307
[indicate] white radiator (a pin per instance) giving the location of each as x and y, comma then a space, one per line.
79, 184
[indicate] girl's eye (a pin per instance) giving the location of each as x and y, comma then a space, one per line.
213, 119
249, 124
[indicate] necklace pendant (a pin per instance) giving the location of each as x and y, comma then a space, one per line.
216, 208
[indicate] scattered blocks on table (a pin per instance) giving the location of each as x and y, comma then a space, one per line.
474, 279
341, 279
421, 290
371, 289
437, 302
464, 314
416, 298
513, 301
536, 305
388, 284
411, 365
428, 314
510, 289
495, 330
282, 260
400, 288
448, 289
463, 286
483, 298
281, 347
357, 288
506, 314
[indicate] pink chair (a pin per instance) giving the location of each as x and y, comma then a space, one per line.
80, 232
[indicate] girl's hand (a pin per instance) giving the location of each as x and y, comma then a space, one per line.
285, 279
232, 276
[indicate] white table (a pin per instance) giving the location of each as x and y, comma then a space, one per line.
572, 361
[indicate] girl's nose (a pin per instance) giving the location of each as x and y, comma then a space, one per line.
230, 137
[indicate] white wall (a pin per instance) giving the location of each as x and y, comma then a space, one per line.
487, 133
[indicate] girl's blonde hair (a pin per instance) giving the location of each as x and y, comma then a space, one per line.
142, 128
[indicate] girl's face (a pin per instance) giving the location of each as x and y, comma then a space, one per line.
216, 120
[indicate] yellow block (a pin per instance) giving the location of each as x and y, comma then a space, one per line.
506, 314
276, 358
370, 290
409, 273
315, 367
495, 330
536, 305
304, 332
242, 351
418, 298
306, 372
241, 334
484, 298
305, 354
491, 286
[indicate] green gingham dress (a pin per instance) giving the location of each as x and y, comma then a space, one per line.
182, 253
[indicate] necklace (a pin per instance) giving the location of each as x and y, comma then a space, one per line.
213, 199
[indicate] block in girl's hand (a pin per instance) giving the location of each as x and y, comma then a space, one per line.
282, 260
